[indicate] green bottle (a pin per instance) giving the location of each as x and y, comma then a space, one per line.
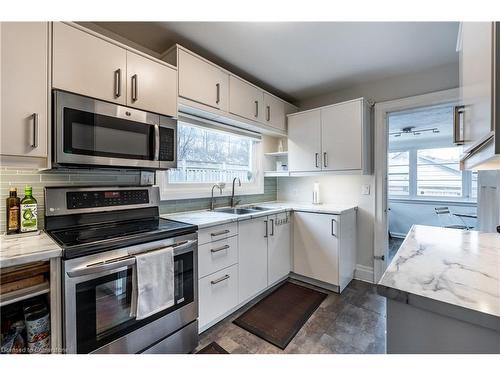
29, 221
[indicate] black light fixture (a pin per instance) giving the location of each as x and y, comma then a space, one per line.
409, 130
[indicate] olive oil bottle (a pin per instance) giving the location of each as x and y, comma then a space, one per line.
13, 211
29, 220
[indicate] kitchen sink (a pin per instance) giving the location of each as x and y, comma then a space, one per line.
258, 208
235, 211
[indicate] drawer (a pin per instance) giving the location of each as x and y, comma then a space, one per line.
218, 293
217, 233
214, 256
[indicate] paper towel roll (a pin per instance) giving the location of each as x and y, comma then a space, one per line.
316, 198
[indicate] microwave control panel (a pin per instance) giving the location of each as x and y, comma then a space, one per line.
89, 199
167, 144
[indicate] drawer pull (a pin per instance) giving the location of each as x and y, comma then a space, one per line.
220, 248
225, 277
226, 231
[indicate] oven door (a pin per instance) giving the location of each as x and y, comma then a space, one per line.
93, 132
97, 305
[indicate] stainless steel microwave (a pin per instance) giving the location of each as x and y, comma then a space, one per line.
93, 133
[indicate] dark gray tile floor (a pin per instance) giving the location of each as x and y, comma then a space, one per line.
351, 322
394, 244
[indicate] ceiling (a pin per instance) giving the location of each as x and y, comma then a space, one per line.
299, 60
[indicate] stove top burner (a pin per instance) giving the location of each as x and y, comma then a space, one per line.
82, 240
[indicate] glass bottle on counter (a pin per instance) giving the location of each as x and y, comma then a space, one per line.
13, 210
29, 220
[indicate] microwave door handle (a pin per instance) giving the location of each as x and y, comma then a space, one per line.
157, 142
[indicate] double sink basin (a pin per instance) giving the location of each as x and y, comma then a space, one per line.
242, 211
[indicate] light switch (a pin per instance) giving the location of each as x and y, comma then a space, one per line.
365, 189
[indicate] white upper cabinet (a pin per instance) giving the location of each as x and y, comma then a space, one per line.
24, 89
202, 81
341, 135
88, 65
274, 112
304, 142
151, 86
331, 138
245, 100
477, 122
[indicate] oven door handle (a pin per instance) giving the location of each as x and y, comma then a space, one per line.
104, 266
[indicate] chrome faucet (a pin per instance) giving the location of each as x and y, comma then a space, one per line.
233, 203
212, 198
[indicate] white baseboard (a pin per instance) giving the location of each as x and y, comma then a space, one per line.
363, 273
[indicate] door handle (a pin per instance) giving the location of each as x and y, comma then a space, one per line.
217, 88
272, 227
225, 247
34, 143
256, 108
268, 117
333, 221
266, 235
458, 112
220, 279
316, 159
118, 83
134, 88
325, 159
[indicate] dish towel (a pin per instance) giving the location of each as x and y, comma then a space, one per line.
152, 283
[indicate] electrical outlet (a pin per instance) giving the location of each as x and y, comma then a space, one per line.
365, 189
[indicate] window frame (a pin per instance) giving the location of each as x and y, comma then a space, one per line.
412, 177
169, 191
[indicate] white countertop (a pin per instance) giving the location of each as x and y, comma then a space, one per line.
204, 219
457, 268
20, 250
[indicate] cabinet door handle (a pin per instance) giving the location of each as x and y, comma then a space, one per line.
325, 159
272, 227
458, 112
256, 108
316, 159
268, 117
220, 279
220, 249
217, 88
225, 231
118, 83
34, 143
134, 88
333, 234
265, 222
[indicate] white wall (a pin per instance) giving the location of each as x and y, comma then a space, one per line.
338, 189
402, 215
436, 79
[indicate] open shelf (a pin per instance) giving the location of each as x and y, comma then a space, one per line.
277, 154
25, 293
276, 173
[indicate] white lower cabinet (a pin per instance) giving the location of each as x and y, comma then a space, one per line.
252, 263
218, 293
278, 247
217, 255
324, 247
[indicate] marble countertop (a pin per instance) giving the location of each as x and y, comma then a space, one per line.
20, 250
453, 272
205, 219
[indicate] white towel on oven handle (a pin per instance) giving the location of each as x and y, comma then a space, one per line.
152, 283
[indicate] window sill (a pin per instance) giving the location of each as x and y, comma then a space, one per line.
451, 202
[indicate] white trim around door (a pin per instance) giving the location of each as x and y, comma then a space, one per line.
381, 247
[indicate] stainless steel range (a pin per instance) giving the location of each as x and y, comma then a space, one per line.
100, 230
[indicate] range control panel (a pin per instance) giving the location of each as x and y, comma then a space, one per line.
104, 198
